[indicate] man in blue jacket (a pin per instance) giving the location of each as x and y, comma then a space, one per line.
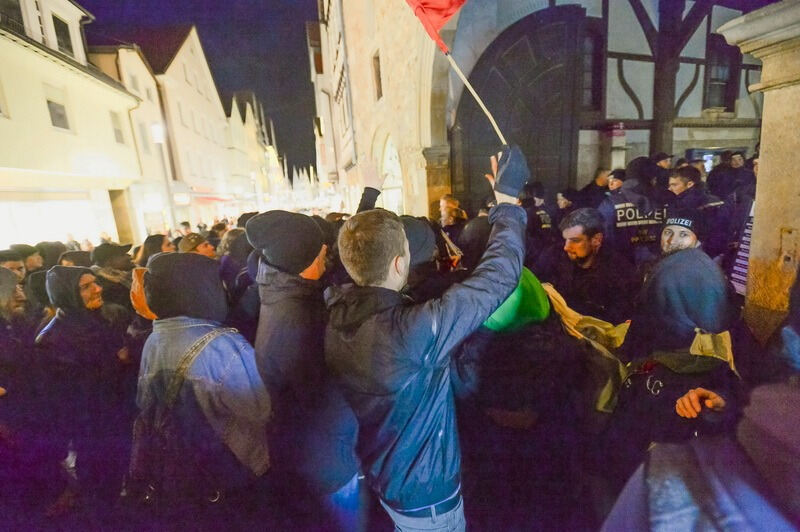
392, 358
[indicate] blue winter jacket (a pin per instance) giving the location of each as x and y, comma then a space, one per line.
223, 402
392, 359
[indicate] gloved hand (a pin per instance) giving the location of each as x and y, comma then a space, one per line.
512, 171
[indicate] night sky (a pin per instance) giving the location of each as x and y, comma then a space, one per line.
250, 44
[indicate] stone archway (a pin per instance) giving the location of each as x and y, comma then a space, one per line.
527, 78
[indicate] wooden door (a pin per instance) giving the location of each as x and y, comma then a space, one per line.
530, 78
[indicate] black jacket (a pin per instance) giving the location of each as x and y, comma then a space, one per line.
314, 430
632, 223
392, 360
606, 290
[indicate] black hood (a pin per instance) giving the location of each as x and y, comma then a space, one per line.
185, 284
275, 285
62, 287
351, 305
473, 240
686, 290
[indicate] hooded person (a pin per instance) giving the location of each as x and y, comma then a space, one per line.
75, 258
749, 477
679, 339
13, 261
22, 463
315, 431
425, 280
50, 252
84, 350
221, 408
30, 255
113, 265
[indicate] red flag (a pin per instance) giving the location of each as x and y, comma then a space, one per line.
434, 14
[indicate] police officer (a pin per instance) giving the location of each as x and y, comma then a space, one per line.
631, 223
688, 193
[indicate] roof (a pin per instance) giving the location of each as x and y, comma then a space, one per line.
158, 44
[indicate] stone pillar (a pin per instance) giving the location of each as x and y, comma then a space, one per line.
437, 167
772, 34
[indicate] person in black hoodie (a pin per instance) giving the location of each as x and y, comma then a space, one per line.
314, 433
20, 460
392, 358
84, 353
687, 187
685, 294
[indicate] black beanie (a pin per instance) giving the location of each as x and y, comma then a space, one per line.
185, 284
287, 241
244, 218
691, 219
421, 239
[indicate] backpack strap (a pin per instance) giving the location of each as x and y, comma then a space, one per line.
188, 359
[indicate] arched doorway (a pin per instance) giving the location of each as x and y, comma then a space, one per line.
391, 197
529, 79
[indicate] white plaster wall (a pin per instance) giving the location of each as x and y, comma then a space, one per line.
721, 15
625, 34
148, 112
696, 47
637, 142
200, 154
29, 141
749, 105
639, 75
588, 156
693, 105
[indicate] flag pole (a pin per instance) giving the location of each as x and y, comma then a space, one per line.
477, 98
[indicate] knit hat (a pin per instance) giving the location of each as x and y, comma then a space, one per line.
77, 258
104, 252
244, 218
421, 240
9, 255
24, 250
691, 219
287, 241
190, 242
618, 173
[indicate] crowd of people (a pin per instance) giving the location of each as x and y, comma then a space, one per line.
510, 371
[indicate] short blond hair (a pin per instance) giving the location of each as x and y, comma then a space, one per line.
368, 242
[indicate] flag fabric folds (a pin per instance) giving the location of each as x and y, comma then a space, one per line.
434, 14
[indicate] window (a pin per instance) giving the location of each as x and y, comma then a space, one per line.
116, 123
376, 73
134, 83
592, 68
723, 64
149, 93
63, 38
11, 16
186, 74
145, 138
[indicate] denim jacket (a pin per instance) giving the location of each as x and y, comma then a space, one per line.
223, 380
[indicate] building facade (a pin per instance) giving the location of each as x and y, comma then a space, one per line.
66, 146
152, 195
577, 84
